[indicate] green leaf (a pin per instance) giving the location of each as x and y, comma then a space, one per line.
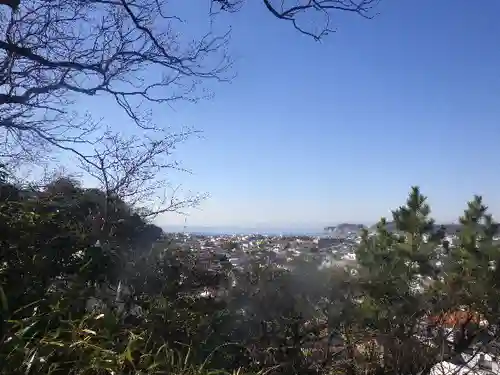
128, 355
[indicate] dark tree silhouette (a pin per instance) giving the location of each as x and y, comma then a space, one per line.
136, 52
318, 24
53, 52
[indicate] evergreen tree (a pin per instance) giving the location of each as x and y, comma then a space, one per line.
395, 268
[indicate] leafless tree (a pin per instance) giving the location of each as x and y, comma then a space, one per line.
317, 26
53, 52
134, 169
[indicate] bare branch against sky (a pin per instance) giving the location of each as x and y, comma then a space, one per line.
318, 22
135, 169
54, 52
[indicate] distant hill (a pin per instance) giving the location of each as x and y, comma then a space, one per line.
344, 228
449, 228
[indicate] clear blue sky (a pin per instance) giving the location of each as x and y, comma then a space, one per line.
312, 133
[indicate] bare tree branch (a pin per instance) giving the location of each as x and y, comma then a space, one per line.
293, 11
134, 169
53, 52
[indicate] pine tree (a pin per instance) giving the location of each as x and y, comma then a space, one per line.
472, 278
403, 259
395, 266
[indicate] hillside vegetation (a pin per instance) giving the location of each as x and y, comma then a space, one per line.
89, 287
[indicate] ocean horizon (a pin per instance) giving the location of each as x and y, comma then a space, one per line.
244, 231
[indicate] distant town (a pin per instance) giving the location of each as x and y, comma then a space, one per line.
335, 246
